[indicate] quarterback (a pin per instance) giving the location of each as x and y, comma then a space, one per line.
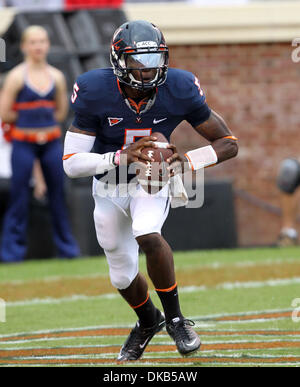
116, 111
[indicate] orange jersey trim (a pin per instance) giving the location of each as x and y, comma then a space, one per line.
142, 303
119, 87
168, 289
138, 106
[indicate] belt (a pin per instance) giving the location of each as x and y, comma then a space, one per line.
39, 137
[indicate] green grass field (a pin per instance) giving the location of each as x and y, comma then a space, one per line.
66, 313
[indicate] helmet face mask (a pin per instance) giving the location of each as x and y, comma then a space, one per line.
137, 62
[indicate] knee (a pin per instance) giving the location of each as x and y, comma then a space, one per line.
106, 235
121, 276
150, 243
108, 244
121, 281
288, 177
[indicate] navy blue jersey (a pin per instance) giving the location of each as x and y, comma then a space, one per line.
101, 108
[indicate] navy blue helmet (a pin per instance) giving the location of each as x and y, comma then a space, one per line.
139, 46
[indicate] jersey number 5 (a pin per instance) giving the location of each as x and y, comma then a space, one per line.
197, 83
75, 91
132, 134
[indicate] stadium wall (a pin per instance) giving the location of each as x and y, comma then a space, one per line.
243, 57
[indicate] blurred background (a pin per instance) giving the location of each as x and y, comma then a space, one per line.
241, 50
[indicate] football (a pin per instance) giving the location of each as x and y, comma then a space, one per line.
154, 176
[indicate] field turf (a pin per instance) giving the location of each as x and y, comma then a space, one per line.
66, 313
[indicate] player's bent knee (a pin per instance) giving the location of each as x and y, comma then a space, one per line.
107, 244
121, 283
107, 238
289, 176
121, 280
150, 242
123, 267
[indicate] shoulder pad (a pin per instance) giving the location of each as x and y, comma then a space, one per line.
184, 87
89, 90
182, 81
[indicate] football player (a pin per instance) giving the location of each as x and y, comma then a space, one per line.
116, 111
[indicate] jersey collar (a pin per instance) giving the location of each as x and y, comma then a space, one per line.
143, 105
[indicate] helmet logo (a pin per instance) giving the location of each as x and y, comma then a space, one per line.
115, 44
146, 44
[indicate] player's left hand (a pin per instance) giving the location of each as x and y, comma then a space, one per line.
133, 153
176, 162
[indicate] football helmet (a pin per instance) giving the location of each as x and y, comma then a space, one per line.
139, 55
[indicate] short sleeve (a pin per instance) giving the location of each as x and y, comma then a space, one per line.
86, 122
84, 119
198, 110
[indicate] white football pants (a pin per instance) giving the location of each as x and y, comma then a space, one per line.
119, 220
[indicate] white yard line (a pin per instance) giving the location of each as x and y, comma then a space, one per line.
184, 289
267, 338
90, 364
51, 300
214, 265
54, 278
258, 320
170, 342
55, 339
62, 330
199, 358
198, 325
243, 285
247, 313
153, 364
256, 364
171, 355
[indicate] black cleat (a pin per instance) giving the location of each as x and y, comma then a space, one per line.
186, 339
139, 338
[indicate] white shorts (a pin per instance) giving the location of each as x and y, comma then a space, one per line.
119, 220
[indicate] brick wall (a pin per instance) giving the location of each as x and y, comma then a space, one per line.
255, 87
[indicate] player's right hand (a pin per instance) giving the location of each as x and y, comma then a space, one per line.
133, 153
176, 162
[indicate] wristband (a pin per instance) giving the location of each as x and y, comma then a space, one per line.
201, 157
116, 159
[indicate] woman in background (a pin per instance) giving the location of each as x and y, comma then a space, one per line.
34, 100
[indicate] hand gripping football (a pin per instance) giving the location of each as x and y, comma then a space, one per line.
154, 175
